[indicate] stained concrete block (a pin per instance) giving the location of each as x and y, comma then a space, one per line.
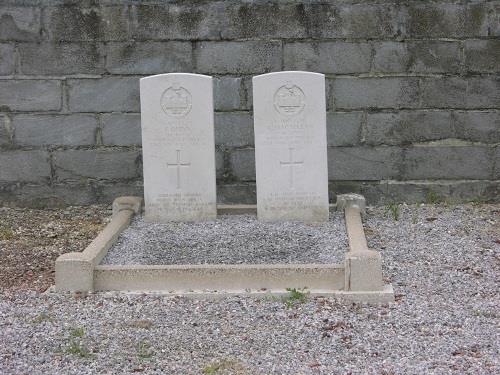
97, 164
20, 23
328, 57
364, 163
406, 127
394, 92
187, 21
30, 95
24, 166
61, 58
252, 20
121, 129
482, 56
477, 126
483, 92
479, 19
237, 57
434, 56
435, 20
219, 164
104, 95
448, 20
40, 195
81, 23
149, 57
391, 57
452, 162
343, 128
7, 59
496, 165
5, 130
45, 130
228, 93
243, 164
248, 92
234, 129
444, 92
237, 193
357, 21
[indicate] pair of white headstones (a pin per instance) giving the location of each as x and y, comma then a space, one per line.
177, 118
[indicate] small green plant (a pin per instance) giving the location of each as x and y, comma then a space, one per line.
77, 332
211, 369
414, 219
75, 345
76, 348
432, 197
295, 296
43, 317
144, 350
226, 364
393, 208
477, 201
6, 233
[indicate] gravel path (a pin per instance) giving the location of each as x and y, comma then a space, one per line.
443, 263
231, 239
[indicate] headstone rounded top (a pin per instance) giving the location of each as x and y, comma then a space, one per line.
293, 73
174, 75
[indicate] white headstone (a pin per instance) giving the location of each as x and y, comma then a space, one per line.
290, 146
178, 148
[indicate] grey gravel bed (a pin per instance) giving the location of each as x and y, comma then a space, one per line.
442, 261
231, 239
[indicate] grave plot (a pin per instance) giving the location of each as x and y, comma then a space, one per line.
181, 246
346, 269
231, 239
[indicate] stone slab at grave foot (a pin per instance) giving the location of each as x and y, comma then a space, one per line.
177, 120
290, 146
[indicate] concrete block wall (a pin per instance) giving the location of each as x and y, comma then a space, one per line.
413, 92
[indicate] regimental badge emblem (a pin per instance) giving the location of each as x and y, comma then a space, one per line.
289, 99
176, 101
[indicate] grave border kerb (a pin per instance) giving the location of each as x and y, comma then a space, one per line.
357, 279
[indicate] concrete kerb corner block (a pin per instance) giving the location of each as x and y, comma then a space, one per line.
75, 273
127, 203
363, 271
346, 200
363, 267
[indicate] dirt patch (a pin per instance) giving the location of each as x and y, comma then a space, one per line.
31, 240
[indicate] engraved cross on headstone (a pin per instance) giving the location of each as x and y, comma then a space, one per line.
178, 164
291, 164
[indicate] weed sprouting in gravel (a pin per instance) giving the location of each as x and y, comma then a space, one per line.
141, 323
295, 296
6, 233
77, 348
226, 366
43, 317
414, 218
393, 208
77, 332
144, 350
432, 197
75, 345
